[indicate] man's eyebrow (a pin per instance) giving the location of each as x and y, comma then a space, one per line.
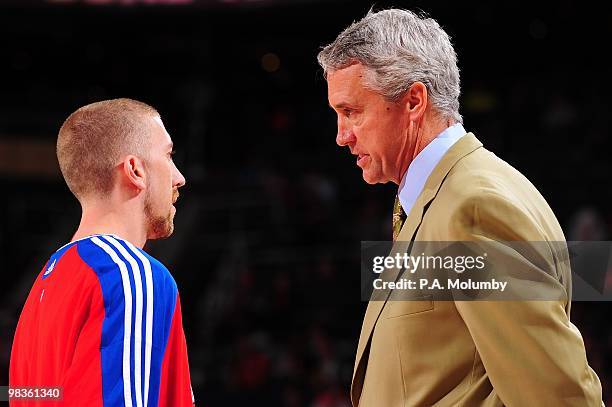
340, 106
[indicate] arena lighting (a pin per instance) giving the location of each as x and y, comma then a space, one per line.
123, 2
129, 3
150, 2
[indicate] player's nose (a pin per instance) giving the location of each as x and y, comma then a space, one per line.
179, 179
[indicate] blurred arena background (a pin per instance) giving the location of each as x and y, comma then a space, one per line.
266, 247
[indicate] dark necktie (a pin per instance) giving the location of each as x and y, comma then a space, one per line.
399, 216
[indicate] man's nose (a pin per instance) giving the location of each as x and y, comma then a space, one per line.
179, 179
345, 136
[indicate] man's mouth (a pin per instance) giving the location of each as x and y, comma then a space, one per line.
361, 159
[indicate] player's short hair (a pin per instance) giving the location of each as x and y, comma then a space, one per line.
399, 48
94, 138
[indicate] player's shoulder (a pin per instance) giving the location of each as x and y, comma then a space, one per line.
107, 253
159, 271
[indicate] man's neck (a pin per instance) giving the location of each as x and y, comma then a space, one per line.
121, 223
434, 127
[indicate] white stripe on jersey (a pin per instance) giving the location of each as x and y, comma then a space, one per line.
149, 317
138, 317
127, 328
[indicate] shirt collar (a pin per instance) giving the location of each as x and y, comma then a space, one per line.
423, 164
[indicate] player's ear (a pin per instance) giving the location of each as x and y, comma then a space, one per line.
134, 172
415, 101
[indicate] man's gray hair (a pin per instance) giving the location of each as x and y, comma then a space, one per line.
399, 48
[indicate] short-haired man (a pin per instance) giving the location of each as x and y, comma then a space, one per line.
103, 319
394, 83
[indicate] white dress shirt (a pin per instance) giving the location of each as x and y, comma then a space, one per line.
423, 164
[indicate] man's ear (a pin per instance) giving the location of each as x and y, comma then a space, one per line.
134, 172
415, 100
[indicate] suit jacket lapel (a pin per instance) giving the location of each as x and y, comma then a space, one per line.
460, 149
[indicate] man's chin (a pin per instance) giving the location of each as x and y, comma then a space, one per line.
369, 179
158, 235
161, 229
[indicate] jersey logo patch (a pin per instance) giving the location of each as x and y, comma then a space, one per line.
50, 268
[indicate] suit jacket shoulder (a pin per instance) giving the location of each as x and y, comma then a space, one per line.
482, 194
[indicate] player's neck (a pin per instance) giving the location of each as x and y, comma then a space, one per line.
121, 222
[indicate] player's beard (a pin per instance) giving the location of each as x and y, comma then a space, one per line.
159, 226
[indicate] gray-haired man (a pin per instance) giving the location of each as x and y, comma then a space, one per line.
394, 83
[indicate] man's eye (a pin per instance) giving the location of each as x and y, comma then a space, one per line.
348, 112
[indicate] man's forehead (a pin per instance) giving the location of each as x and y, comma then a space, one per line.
158, 119
345, 84
163, 133
351, 72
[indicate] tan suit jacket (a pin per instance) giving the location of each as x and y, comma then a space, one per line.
476, 353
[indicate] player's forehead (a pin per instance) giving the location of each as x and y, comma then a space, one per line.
160, 134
